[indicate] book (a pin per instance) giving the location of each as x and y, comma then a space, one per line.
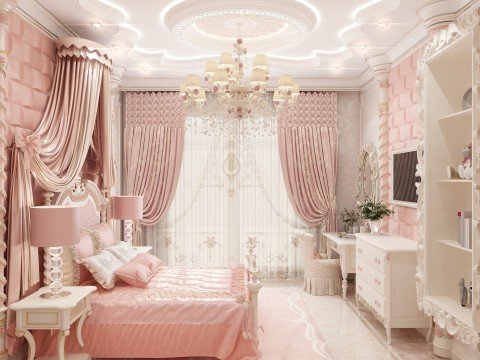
465, 229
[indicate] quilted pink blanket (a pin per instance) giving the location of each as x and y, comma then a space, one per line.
182, 312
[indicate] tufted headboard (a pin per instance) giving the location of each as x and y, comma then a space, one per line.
94, 211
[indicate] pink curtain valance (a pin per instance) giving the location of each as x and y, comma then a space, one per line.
307, 140
153, 148
154, 108
312, 109
82, 48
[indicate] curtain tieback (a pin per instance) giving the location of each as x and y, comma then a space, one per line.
28, 142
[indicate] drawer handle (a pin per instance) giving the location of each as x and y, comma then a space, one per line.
377, 281
377, 261
360, 268
360, 287
360, 251
377, 303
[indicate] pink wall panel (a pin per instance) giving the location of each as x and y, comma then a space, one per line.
31, 56
403, 132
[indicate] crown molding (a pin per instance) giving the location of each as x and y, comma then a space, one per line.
171, 84
37, 14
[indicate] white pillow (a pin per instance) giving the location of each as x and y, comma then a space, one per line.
102, 267
123, 252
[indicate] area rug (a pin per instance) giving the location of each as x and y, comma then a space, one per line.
287, 329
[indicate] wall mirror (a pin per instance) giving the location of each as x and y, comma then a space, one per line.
367, 182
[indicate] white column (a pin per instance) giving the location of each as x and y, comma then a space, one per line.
5, 7
380, 66
117, 139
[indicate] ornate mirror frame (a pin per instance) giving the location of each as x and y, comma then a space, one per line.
367, 157
455, 326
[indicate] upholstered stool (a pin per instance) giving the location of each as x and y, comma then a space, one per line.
322, 276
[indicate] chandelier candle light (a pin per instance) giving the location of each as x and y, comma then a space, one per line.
231, 103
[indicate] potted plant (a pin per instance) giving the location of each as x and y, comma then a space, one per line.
373, 212
349, 218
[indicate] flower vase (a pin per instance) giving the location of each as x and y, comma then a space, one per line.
374, 227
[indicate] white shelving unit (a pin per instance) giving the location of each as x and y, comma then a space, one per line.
446, 73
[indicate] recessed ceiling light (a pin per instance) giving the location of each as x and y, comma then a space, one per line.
362, 47
144, 68
335, 68
382, 25
117, 47
96, 25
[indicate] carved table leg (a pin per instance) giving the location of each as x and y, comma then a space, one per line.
344, 283
31, 341
61, 344
79, 327
329, 249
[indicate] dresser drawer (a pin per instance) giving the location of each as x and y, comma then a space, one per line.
372, 277
372, 297
372, 256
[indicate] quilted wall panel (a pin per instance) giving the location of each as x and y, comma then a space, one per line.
403, 133
31, 56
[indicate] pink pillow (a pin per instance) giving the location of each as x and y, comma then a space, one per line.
105, 234
148, 260
85, 247
134, 274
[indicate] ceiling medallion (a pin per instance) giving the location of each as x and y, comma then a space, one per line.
233, 105
263, 29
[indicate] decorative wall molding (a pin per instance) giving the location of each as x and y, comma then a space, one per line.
380, 67
5, 7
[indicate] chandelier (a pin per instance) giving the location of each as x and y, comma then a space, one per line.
230, 103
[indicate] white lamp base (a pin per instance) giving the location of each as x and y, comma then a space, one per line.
128, 235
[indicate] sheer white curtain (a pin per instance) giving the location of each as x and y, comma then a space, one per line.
230, 189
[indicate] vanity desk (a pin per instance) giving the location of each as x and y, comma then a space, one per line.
345, 248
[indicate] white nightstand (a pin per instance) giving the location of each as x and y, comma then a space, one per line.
37, 313
143, 249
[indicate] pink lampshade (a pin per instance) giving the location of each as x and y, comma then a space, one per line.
52, 226
128, 207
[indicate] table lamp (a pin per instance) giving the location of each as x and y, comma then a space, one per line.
54, 227
128, 208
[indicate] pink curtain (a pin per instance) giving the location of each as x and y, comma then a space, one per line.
153, 147
55, 152
307, 136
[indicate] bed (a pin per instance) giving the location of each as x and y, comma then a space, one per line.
183, 312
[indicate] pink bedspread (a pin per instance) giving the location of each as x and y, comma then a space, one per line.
182, 313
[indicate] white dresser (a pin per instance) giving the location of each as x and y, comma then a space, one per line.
385, 282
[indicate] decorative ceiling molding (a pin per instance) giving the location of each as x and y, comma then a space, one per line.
214, 24
34, 12
318, 63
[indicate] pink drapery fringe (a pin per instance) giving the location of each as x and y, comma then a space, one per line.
153, 148
308, 138
79, 102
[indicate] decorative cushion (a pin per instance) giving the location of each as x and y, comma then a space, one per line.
103, 234
134, 274
149, 260
102, 267
123, 252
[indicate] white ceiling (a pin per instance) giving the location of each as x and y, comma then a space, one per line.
159, 42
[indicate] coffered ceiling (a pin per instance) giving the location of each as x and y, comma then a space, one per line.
321, 43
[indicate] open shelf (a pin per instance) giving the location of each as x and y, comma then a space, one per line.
464, 115
453, 307
455, 245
